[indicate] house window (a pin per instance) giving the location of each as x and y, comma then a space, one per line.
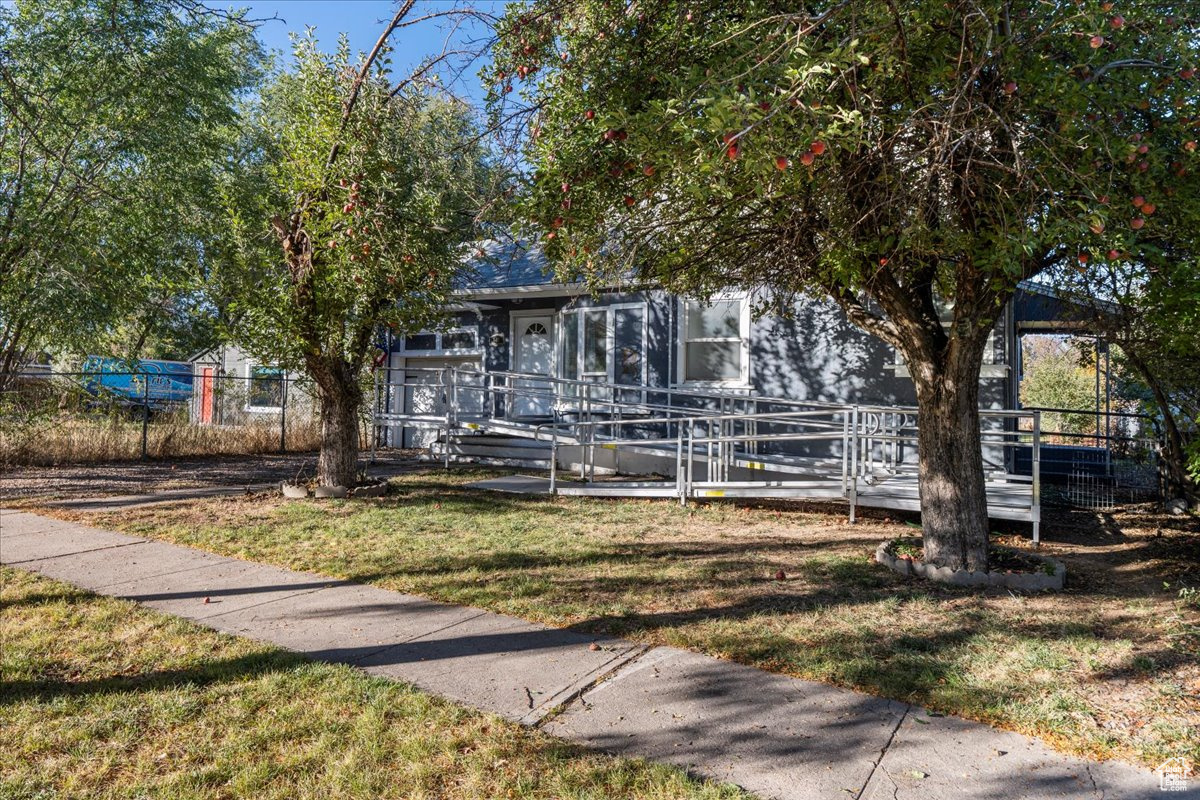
421, 341
450, 340
715, 341
629, 340
265, 392
604, 344
990, 368
595, 343
570, 346
460, 339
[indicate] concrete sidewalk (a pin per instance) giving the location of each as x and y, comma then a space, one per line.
775, 736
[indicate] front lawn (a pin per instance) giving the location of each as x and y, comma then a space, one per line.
103, 699
1107, 669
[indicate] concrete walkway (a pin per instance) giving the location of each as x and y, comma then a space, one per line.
776, 736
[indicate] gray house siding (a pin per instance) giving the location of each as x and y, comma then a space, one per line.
817, 354
812, 354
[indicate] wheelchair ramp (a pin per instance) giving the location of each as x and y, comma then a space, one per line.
690, 445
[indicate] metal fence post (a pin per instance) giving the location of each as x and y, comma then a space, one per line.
145, 416
283, 417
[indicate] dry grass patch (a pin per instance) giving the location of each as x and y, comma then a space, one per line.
103, 699
1107, 669
92, 438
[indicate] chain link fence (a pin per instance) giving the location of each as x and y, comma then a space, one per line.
1098, 460
74, 417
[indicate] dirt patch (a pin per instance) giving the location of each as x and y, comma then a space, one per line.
137, 477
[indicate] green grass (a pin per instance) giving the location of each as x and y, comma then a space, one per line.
1106, 669
103, 699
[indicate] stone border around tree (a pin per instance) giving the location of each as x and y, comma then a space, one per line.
370, 490
296, 491
1026, 581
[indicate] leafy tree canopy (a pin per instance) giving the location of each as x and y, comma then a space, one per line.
915, 149
114, 120
898, 157
349, 211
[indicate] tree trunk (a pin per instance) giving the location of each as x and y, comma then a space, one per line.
340, 398
954, 517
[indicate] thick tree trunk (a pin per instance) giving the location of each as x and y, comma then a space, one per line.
340, 398
954, 515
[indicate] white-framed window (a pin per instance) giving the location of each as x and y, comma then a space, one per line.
714, 341
448, 341
604, 343
991, 367
264, 387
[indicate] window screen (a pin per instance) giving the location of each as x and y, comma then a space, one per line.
713, 341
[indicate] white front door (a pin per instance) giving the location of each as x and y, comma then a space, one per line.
533, 354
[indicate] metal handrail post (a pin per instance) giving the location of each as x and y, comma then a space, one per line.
679, 465
853, 496
845, 450
691, 459
446, 441
708, 463
754, 425
554, 462
1036, 509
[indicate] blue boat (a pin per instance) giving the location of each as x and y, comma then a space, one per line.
151, 382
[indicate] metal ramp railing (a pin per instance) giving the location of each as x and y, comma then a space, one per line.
710, 444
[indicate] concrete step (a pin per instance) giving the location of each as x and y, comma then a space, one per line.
491, 461
490, 440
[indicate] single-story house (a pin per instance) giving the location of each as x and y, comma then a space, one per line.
510, 315
231, 388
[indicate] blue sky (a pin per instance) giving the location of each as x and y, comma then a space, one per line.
363, 21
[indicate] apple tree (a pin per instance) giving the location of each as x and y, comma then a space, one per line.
353, 198
900, 158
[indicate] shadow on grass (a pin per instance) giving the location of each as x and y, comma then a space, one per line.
204, 674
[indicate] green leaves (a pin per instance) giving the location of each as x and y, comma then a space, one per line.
965, 148
352, 223
114, 122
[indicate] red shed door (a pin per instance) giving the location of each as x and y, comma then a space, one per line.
206, 395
